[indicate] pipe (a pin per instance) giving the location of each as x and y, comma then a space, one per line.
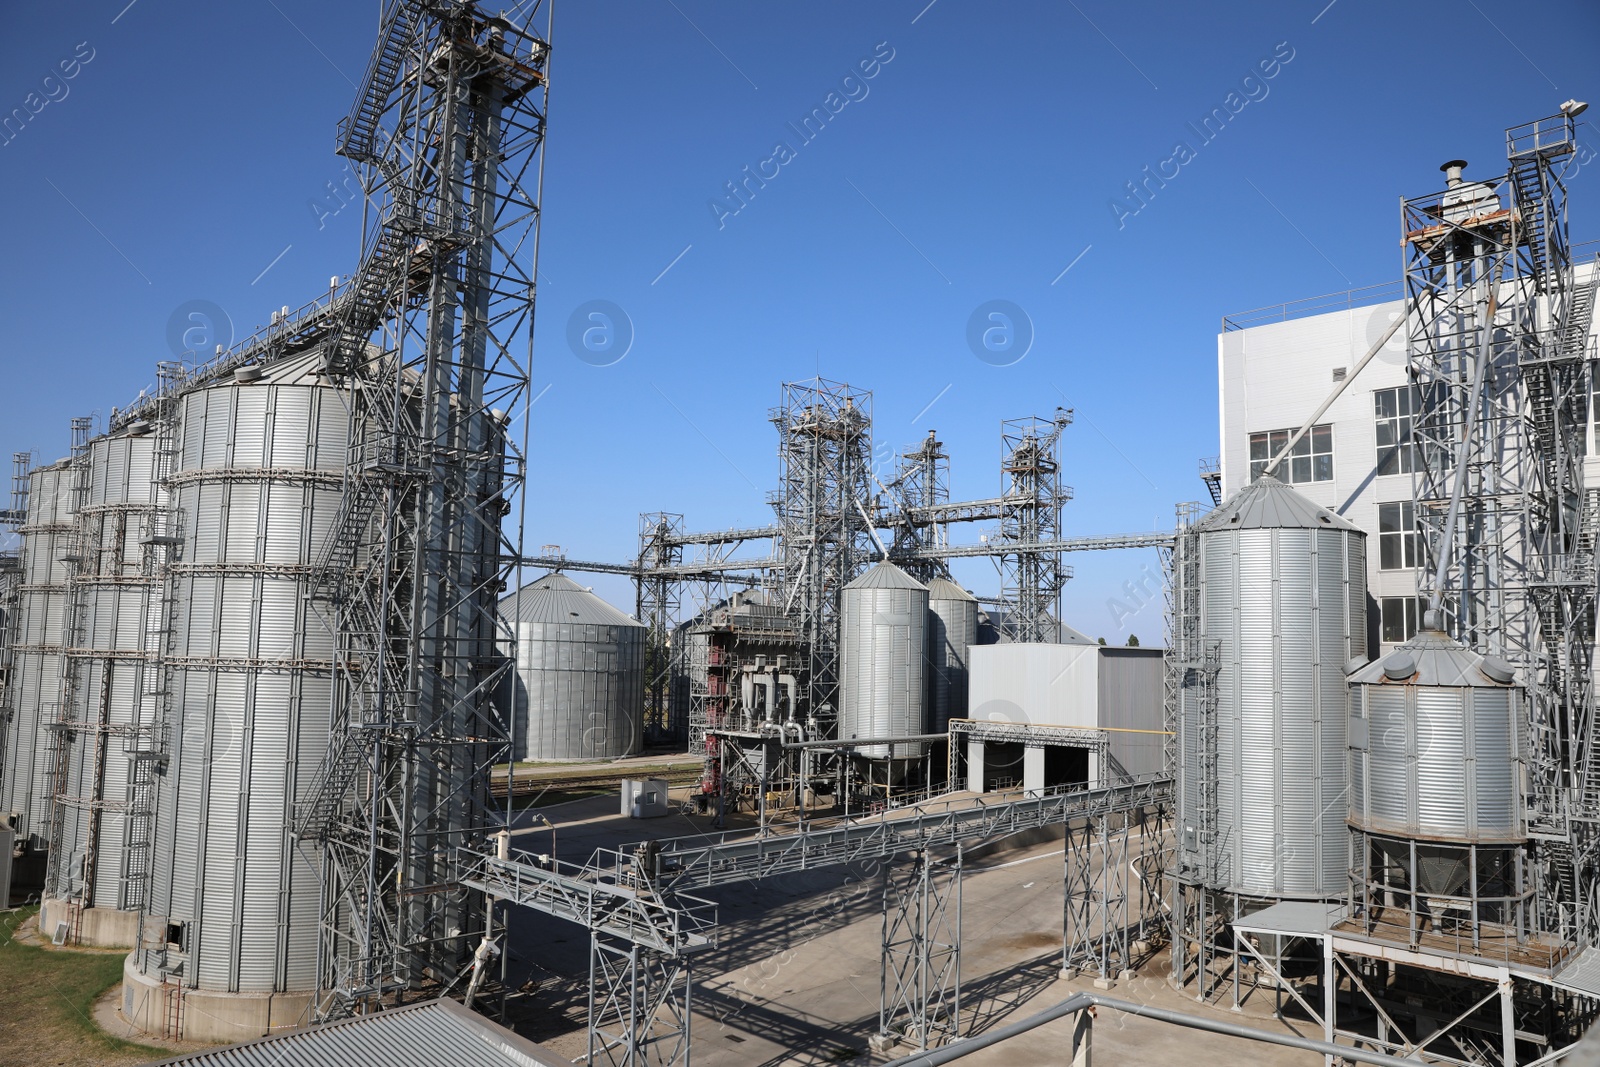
769, 682
864, 741
791, 690
1080, 1001
1434, 619
1338, 390
747, 694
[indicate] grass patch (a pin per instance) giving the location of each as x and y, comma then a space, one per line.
46, 1003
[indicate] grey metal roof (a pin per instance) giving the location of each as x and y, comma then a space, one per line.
885, 576
1268, 504
1582, 974
945, 589
1303, 918
1436, 659
437, 1033
557, 598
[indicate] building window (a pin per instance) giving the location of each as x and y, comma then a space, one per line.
1401, 616
1311, 460
1397, 537
1396, 410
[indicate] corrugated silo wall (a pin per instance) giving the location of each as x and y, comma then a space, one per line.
881, 685
1283, 603
256, 491
582, 686
35, 687
112, 590
952, 631
1131, 690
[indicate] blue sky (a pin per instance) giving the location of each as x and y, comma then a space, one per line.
190, 159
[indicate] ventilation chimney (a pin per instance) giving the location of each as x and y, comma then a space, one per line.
1452, 172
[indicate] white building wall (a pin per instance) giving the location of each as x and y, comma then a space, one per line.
1273, 376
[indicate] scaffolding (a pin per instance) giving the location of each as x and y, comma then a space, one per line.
825, 534
1498, 343
1032, 575
920, 487
431, 343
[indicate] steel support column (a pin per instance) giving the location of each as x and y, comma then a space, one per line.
920, 992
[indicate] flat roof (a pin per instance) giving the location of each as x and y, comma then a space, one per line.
1299, 918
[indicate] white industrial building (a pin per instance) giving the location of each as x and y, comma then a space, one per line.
1044, 715
1276, 365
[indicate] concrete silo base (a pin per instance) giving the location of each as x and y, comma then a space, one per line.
207, 1015
97, 927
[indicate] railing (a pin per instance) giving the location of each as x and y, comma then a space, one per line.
710, 860
608, 897
1366, 296
1549, 136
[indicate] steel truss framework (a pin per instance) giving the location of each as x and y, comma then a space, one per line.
919, 992
639, 896
826, 533
1113, 900
1032, 492
828, 516
430, 342
1498, 345
1497, 342
1387, 999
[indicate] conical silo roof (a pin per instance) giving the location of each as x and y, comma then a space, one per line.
1268, 504
886, 576
555, 598
1434, 658
945, 589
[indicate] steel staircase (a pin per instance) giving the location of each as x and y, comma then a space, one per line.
358, 131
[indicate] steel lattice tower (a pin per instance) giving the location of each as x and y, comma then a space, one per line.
1030, 514
922, 480
825, 539
431, 341
1497, 343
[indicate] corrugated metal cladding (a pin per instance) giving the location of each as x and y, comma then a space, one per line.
439, 1033
34, 689
1283, 594
1437, 754
952, 631
1131, 693
255, 493
112, 587
882, 640
578, 689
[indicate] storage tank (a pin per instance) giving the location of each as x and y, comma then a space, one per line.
109, 589
579, 680
1437, 744
233, 903
35, 687
882, 641
952, 631
1282, 605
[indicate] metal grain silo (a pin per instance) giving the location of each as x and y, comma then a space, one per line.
579, 681
109, 588
255, 490
1282, 607
882, 641
1437, 744
33, 693
952, 631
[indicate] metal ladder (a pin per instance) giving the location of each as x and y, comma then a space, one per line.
145, 742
